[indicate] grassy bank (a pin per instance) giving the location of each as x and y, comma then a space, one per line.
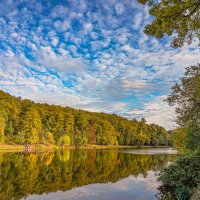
11, 148
21, 148
95, 146
41, 147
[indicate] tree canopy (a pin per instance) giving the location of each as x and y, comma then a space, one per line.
185, 97
177, 18
26, 122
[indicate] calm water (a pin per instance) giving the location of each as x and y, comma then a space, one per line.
82, 174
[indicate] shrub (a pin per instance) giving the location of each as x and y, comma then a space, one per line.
180, 179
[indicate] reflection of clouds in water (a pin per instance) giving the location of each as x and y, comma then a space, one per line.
150, 181
152, 151
120, 185
76, 193
137, 188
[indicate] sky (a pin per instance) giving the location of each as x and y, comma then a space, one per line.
91, 55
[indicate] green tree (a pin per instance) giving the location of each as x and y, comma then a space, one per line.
3, 121
140, 139
81, 125
173, 17
2, 128
80, 138
122, 130
19, 138
9, 129
69, 126
108, 135
180, 138
153, 135
31, 125
142, 136
58, 129
91, 134
179, 180
186, 99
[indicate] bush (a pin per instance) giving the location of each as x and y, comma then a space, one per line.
180, 179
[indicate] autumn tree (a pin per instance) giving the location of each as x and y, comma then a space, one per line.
23, 121
81, 125
69, 126
2, 128
122, 130
91, 134
142, 136
31, 125
80, 138
59, 124
180, 19
107, 135
48, 138
64, 140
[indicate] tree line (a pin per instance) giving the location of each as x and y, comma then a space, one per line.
27, 122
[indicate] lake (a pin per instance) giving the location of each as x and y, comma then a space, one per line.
83, 174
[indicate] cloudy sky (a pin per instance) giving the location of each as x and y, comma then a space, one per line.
89, 54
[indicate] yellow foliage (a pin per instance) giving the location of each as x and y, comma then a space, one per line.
180, 138
48, 159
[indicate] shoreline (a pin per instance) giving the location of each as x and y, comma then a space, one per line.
42, 147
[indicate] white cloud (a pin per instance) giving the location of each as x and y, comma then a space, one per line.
88, 27
119, 8
126, 188
62, 26
157, 112
137, 21
55, 41
63, 62
137, 84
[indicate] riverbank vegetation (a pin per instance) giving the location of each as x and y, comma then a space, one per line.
26, 122
181, 20
180, 180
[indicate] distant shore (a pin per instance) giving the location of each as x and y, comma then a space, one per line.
41, 147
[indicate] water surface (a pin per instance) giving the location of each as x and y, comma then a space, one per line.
81, 175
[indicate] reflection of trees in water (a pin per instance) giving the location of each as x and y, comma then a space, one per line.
22, 174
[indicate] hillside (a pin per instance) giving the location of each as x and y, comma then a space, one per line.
27, 122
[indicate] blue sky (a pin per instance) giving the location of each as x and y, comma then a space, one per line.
89, 54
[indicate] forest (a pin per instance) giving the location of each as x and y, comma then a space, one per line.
24, 122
